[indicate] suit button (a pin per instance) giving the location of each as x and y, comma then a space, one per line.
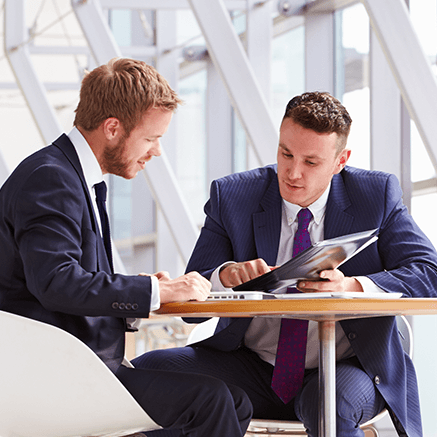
115, 306
352, 336
128, 306
376, 379
134, 306
121, 306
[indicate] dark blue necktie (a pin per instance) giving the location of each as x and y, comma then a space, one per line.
290, 356
101, 191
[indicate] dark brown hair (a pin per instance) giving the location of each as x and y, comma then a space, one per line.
322, 113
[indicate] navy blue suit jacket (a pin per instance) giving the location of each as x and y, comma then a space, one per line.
243, 222
54, 265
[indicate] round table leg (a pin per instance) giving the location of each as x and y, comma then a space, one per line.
327, 407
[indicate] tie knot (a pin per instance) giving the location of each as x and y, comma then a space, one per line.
100, 190
303, 218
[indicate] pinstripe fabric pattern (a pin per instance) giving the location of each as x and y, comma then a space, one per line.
356, 399
243, 223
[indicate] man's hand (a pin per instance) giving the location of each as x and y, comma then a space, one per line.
160, 275
334, 280
191, 286
238, 273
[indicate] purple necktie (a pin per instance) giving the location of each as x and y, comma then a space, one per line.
290, 356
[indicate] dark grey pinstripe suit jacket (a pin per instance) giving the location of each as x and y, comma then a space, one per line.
243, 222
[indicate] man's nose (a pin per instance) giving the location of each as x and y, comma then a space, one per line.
156, 149
294, 171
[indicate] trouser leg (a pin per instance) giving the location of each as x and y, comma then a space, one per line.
196, 405
242, 368
356, 396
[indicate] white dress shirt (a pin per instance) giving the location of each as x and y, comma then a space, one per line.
93, 175
263, 332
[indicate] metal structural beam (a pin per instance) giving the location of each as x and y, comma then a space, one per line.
318, 6
166, 252
19, 59
389, 131
392, 25
259, 33
96, 30
158, 172
218, 126
385, 129
258, 39
162, 4
319, 52
231, 61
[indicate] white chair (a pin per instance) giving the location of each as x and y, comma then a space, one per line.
263, 427
53, 385
203, 330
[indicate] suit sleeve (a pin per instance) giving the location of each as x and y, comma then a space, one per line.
408, 260
58, 249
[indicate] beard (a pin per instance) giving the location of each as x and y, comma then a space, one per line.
114, 161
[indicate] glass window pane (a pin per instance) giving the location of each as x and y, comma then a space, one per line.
239, 145
191, 150
187, 28
120, 22
421, 166
424, 18
288, 70
420, 206
352, 54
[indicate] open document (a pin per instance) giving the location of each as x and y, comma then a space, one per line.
324, 255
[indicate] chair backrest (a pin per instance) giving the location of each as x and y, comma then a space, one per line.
53, 385
203, 330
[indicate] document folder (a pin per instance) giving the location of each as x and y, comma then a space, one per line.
323, 255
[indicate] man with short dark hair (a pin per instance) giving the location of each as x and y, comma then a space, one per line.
256, 220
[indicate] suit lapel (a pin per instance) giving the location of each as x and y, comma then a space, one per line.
267, 224
67, 147
337, 220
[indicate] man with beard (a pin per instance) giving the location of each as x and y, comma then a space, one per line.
56, 252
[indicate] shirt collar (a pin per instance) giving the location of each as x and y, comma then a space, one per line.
317, 208
90, 166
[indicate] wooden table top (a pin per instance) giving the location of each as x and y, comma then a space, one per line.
311, 309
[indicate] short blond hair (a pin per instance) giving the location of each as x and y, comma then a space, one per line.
125, 89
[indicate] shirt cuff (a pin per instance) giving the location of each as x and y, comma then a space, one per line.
155, 298
368, 285
215, 278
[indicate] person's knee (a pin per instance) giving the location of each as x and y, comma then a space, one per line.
162, 359
306, 404
215, 395
357, 398
243, 404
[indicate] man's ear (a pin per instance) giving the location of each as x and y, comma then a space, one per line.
112, 128
342, 159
